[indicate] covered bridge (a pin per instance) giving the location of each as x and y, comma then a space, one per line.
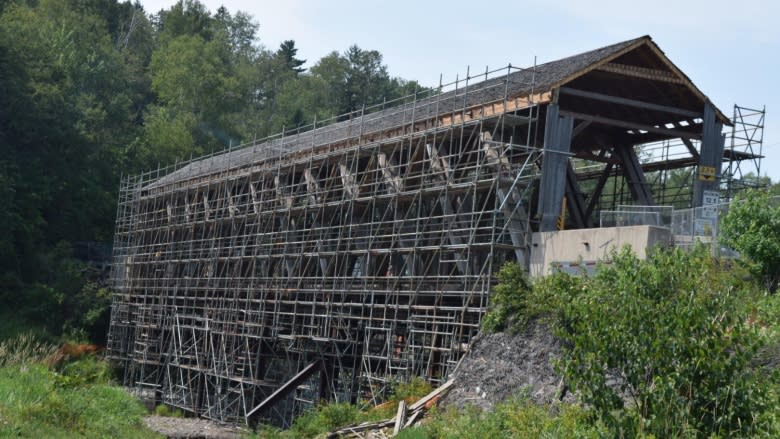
330, 263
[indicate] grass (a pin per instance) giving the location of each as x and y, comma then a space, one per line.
79, 400
24, 349
329, 417
168, 412
516, 418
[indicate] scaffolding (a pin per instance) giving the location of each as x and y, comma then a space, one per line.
334, 261
364, 247
670, 167
746, 149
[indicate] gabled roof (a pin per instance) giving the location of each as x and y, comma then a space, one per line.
640, 58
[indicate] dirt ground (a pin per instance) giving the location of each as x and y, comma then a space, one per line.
191, 428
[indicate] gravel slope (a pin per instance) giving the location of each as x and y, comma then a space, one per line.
501, 365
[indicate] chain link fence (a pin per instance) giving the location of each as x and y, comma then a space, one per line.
688, 226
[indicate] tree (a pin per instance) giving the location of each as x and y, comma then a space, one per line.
66, 112
239, 32
357, 79
287, 52
752, 227
186, 17
92, 88
195, 83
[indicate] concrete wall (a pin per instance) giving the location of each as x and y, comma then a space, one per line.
575, 248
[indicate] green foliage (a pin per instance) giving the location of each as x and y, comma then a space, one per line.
355, 79
673, 337
84, 372
752, 227
13, 325
287, 52
34, 403
79, 401
65, 299
332, 416
415, 388
324, 419
516, 418
764, 314
164, 410
509, 298
63, 123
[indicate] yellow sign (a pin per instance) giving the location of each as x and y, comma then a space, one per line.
707, 173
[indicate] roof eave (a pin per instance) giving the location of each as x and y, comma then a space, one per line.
646, 40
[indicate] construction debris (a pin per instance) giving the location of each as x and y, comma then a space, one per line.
414, 412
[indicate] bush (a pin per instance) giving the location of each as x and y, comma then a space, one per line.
508, 299
669, 335
84, 372
752, 227
65, 297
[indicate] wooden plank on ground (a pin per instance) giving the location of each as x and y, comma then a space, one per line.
400, 417
439, 390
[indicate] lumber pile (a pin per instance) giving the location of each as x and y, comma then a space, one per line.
405, 417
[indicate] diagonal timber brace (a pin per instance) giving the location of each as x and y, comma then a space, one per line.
637, 183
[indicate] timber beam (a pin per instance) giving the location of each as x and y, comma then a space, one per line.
637, 183
671, 132
627, 102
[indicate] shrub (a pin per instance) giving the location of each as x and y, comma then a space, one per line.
84, 372
667, 334
508, 298
752, 227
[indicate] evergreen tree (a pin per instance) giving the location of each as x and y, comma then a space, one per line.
287, 52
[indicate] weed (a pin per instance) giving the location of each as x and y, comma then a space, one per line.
168, 412
25, 349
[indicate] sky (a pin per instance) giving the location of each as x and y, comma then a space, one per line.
730, 49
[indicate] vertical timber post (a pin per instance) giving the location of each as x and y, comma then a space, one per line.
557, 144
711, 156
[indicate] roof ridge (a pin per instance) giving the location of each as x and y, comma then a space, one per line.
609, 48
